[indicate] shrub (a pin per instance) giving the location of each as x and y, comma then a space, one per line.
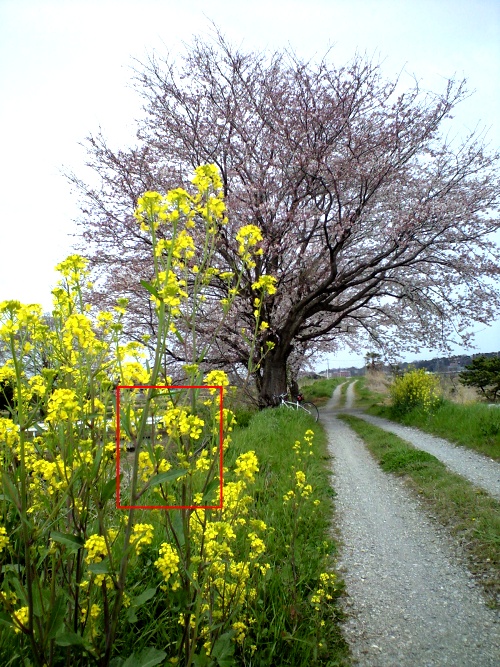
416, 389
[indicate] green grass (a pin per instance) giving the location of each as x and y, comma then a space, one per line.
366, 398
474, 425
321, 390
298, 552
470, 514
299, 547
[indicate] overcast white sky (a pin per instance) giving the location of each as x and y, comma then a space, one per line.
65, 71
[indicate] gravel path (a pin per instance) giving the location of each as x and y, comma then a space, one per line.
334, 402
478, 469
410, 604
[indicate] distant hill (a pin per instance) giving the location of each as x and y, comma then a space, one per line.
453, 364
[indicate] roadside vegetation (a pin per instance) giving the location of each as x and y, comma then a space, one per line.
474, 425
320, 391
125, 540
468, 513
295, 625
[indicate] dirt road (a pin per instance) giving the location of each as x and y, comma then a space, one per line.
410, 603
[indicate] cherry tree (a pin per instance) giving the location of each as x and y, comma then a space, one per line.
374, 224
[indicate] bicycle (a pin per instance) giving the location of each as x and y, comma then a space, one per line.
298, 404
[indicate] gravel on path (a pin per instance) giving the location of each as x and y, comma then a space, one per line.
350, 396
478, 469
410, 603
334, 401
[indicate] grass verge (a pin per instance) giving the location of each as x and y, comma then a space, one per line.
474, 425
292, 629
468, 513
321, 390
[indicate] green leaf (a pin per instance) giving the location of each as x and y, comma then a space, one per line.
147, 658
178, 528
138, 600
11, 490
97, 461
69, 638
166, 477
71, 542
152, 290
131, 615
201, 659
5, 619
56, 617
99, 568
213, 484
39, 598
109, 489
179, 336
223, 650
19, 590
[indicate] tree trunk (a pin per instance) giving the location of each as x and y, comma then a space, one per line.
273, 378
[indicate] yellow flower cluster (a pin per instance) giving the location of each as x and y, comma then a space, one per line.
235, 502
182, 247
7, 372
178, 422
96, 549
134, 373
224, 582
203, 462
151, 206
301, 488
416, 389
308, 436
142, 535
207, 178
14, 315
168, 564
170, 291
79, 326
210, 199
265, 283
8, 600
246, 466
95, 610
248, 237
240, 630
66, 473
21, 618
308, 440
323, 593
147, 467
63, 405
9, 432
74, 267
257, 546
216, 379
4, 540
154, 209
48, 476
38, 386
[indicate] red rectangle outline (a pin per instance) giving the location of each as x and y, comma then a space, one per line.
221, 463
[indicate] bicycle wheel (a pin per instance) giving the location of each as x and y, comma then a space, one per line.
311, 409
